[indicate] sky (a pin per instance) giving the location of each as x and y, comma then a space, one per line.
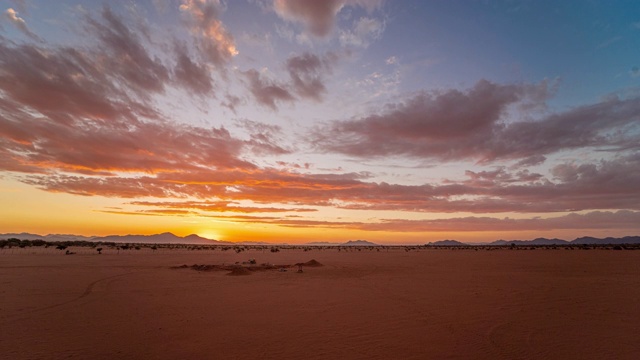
398, 122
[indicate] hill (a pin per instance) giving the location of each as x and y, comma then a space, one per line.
164, 238
358, 243
447, 243
537, 241
50, 237
608, 240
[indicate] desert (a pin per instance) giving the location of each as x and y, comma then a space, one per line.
362, 303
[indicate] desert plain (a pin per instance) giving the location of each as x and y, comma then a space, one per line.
361, 304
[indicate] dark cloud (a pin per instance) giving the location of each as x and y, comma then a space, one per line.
266, 92
264, 138
192, 76
317, 16
593, 220
470, 125
307, 72
125, 57
62, 84
532, 160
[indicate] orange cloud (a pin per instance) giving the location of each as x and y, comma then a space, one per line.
216, 44
594, 220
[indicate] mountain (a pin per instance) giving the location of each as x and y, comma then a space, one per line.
50, 237
447, 243
169, 238
358, 243
537, 241
164, 238
609, 240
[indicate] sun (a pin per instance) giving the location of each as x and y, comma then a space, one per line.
210, 234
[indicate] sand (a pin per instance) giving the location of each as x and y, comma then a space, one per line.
427, 304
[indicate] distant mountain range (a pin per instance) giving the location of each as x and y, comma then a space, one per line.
544, 241
537, 241
169, 238
164, 238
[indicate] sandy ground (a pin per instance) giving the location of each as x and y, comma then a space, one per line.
428, 304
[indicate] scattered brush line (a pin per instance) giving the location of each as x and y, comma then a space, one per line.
248, 267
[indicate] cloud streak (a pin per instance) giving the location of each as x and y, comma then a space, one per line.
592, 220
20, 24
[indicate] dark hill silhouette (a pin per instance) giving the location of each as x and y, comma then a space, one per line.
164, 238
607, 241
358, 243
50, 237
447, 243
169, 238
537, 241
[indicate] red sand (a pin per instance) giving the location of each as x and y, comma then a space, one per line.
433, 304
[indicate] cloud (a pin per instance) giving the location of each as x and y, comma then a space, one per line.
215, 43
307, 72
61, 118
190, 75
143, 147
216, 206
532, 160
231, 102
125, 57
478, 125
318, 17
266, 92
594, 220
60, 112
604, 185
62, 84
364, 31
265, 139
19, 23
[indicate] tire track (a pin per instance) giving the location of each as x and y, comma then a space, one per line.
88, 290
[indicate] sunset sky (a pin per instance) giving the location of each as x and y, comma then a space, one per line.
398, 122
